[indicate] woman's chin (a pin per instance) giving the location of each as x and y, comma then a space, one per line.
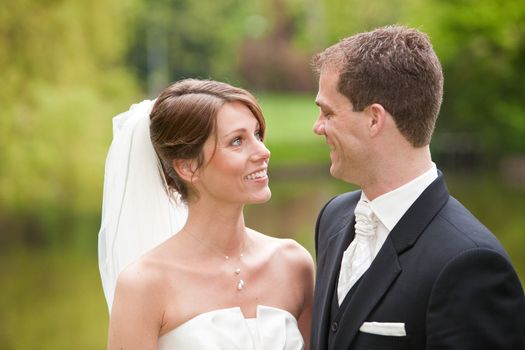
262, 197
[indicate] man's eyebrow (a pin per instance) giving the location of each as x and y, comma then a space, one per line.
322, 105
319, 103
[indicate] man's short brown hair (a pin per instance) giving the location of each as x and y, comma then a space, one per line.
396, 67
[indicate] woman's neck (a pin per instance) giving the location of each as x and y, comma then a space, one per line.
218, 225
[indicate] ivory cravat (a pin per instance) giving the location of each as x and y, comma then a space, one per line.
357, 258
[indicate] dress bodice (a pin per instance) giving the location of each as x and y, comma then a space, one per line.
227, 329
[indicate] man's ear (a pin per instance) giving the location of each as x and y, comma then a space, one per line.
377, 114
186, 169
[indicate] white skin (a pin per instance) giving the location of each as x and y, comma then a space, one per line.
188, 274
366, 148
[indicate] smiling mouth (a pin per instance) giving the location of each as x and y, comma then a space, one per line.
261, 174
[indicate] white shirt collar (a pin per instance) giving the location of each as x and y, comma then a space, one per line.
391, 206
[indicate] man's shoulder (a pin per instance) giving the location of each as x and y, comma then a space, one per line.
342, 201
464, 227
338, 211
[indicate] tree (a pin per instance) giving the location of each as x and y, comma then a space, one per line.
63, 79
483, 54
177, 39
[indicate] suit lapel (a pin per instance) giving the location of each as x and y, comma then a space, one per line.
419, 215
376, 281
336, 244
385, 268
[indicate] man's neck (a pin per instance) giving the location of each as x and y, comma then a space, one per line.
396, 171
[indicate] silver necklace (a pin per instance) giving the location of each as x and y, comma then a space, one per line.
236, 269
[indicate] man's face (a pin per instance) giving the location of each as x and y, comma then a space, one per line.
345, 130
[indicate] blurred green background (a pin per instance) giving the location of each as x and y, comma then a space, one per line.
67, 67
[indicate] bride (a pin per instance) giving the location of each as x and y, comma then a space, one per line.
216, 284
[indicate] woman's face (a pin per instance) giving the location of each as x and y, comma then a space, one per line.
235, 168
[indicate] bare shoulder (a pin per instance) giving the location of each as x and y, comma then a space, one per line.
295, 254
137, 313
140, 282
287, 252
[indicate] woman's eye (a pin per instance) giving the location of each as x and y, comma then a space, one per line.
236, 141
258, 135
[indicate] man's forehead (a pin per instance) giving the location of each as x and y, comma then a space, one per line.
328, 81
329, 77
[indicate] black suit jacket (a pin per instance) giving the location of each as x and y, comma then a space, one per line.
440, 272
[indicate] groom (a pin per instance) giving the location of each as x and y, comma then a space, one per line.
400, 264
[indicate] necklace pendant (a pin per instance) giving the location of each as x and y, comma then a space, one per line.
237, 271
240, 285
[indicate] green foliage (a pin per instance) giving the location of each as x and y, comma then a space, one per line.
259, 44
485, 58
177, 39
343, 18
64, 80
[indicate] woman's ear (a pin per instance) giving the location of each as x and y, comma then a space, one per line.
186, 169
377, 115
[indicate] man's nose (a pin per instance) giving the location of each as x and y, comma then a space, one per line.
319, 126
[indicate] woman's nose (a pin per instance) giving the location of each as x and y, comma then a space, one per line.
261, 152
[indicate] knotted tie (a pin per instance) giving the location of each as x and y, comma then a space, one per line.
358, 256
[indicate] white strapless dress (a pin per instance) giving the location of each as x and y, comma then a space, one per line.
227, 329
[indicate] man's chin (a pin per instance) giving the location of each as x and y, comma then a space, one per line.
334, 171
340, 174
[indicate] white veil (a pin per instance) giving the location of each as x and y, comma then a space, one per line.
137, 211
